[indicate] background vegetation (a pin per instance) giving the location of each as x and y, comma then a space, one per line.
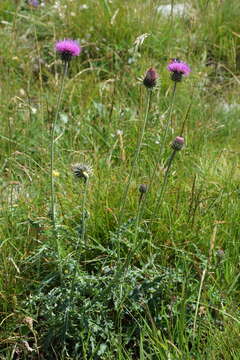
166, 287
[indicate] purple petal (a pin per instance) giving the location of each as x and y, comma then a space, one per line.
68, 46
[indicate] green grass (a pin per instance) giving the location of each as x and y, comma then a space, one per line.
131, 286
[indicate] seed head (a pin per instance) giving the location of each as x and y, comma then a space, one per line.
67, 49
82, 171
150, 79
178, 143
178, 69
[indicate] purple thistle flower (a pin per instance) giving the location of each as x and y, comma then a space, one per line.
178, 143
67, 49
178, 69
34, 3
150, 79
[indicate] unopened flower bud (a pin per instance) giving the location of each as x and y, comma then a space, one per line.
142, 188
178, 143
150, 79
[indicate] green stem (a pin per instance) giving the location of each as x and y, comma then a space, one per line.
136, 155
161, 193
139, 144
169, 120
172, 5
52, 144
163, 142
72, 286
136, 245
166, 127
137, 221
83, 238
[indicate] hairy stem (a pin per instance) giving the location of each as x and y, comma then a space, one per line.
52, 144
163, 142
74, 275
134, 163
162, 189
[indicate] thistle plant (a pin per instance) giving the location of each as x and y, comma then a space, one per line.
178, 69
149, 81
66, 49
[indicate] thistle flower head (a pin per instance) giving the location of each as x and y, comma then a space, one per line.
34, 3
150, 79
178, 143
142, 188
67, 49
220, 253
178, 69
82, 171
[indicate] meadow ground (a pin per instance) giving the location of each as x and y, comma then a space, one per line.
134, 253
